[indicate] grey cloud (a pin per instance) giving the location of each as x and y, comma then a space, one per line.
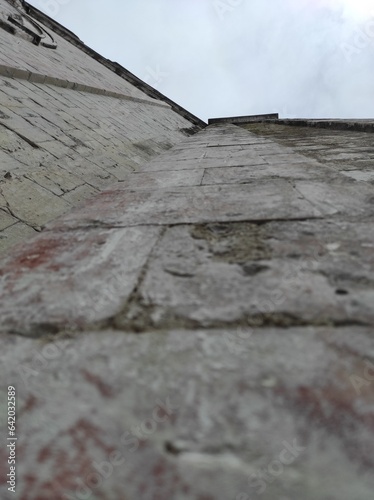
222, 57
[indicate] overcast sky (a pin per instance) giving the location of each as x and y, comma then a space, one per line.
301, 58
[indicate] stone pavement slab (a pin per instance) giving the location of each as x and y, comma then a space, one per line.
162, 179
282, 273
275, 199
338, 196
71, 279
239, 175
194, 414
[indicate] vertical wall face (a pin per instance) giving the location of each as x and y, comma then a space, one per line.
69, 127
203, 328
207, 324
68, 62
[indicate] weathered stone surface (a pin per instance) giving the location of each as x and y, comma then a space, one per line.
71, 279
242, 175
220, 158
19, 53
219, 414
283, 273
214, 148
11, 235
337, 196
6, 220
360, 175
80, 194
62, 139
32, 203
201, 330
318, 143
278, 157
54, 178
157, 180
264, 201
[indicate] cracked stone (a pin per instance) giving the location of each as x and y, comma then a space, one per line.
244, 274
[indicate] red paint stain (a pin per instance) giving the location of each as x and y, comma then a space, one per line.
30, 404
73, 462
39, 252
333, 408
104, 389
83, 431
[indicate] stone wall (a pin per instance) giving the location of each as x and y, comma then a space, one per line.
203, 330
67, 63
193, 316
69, 127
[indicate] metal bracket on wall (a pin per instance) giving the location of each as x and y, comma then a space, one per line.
39, 35
7, 27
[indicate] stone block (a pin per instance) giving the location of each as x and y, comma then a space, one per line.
281, 273
71, 280
264, 201
8, 164
55, 148
6, 71
54, 178
360, 175
37, 78
32, 203
80, 194
161, 180
338, 196
88, 171
12, 235
240, 175
201, 414
6, 219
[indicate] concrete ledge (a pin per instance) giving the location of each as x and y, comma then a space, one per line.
351, 125
244, 119
21, 74
363, 125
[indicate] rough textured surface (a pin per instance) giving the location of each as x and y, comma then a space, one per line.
201, 329
60, 146
278, 273
209, 326
66, 63
340, 150
194, 415
54, 157
63, 276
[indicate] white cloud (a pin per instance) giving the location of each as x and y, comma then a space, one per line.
308, 58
